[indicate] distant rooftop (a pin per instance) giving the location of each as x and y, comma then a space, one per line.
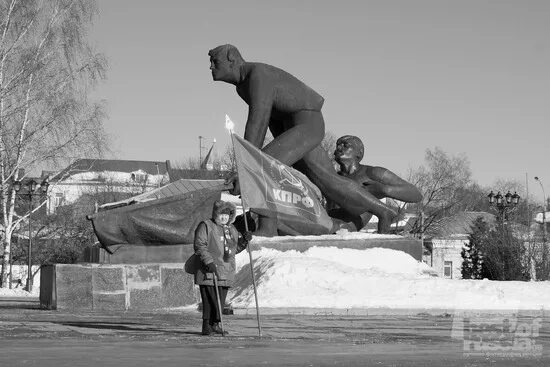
459, 224
176, 188
200, 174
114, 165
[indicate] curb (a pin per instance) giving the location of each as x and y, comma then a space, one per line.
19, 299
381, 311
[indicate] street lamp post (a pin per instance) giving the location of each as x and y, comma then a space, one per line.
544, 207
201, 147
31, 185
504, 204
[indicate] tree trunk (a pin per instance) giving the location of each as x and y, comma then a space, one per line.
6, 244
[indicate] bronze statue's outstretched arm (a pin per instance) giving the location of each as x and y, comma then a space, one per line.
395, 187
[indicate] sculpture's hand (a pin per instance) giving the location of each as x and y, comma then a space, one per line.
233, 179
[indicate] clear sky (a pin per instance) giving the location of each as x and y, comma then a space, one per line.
470, 77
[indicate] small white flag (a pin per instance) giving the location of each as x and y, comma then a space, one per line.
229, 125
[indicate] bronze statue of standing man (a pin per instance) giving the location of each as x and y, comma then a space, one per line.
292, 112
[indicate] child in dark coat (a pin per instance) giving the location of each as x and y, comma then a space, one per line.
217, 241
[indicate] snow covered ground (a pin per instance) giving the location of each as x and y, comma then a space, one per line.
19, 292
328, 277
20, 273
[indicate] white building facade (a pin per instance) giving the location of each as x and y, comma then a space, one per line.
446, 258
90, 177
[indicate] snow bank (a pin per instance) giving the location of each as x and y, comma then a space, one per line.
20, 274
328, 277
342, 234
19, 292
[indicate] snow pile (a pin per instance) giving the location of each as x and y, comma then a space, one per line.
342, 234
19, 292
19, 279
328, 277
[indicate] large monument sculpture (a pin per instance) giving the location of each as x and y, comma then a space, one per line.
292, 112
378, 181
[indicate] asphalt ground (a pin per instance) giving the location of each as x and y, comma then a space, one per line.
33, 337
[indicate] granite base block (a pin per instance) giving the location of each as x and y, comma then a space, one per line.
145, 299
108, 279
74, 286
109, 301
143, 287
176, 288
142, 276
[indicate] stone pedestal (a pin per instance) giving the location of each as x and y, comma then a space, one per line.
147, 278
411, 246
122, 287
139, 254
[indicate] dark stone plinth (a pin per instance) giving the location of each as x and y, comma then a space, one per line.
140, 254
73, 286
411, 246
48, 295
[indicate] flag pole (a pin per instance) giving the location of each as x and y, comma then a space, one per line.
229, 126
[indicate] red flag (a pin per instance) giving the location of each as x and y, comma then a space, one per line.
272, 189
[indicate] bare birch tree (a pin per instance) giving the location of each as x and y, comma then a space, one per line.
442, 182
47, 70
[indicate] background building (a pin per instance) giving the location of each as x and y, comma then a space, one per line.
92, 176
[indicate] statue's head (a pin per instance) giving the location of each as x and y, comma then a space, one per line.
349, 147
225, 63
